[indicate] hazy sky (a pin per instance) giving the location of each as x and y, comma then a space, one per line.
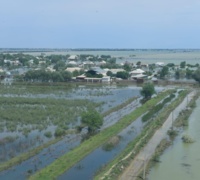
99, 24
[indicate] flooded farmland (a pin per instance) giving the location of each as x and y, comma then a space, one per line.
181, 161
59, 108
14, 143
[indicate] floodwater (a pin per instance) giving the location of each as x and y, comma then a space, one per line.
181, 161
110, 96
87, 167
48, 155
191, 56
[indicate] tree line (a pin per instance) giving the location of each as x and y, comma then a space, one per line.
47, 76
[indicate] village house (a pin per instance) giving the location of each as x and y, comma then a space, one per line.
137, 74
73, 57
72, 69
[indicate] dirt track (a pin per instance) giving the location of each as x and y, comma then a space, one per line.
137, 165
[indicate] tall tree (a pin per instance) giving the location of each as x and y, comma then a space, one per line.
164, 72
147, 90
196, 75
92, 119
182, 64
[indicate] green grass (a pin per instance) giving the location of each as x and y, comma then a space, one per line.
62, 164
157, 108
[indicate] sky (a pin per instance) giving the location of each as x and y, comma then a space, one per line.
136, 24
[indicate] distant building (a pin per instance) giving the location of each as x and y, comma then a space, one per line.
97, 70
50, 69
115, 71
160, 64
72, 63
106, 79
138, 74
73, 57
72, 69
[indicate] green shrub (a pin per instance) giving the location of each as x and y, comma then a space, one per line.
48, 134
59, 132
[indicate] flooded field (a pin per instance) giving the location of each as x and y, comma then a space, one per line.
181, 161
14, 141
31, 118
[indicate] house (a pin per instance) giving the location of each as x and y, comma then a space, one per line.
96, 70
137, 74
160, 64
81, 77
1, 70
73, 63
87, 64
7, 61
115, 71
50, 69
15, 63
73, 57
72, 69
42, 62
106, 79
31, 62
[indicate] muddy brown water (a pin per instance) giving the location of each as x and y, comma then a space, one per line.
181, 161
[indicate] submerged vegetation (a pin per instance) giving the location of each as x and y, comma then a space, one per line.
187, 139
39, 112
18, 113
111, 143
36, 116
63, 163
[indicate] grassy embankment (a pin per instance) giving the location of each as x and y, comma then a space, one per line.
62, 164
113, 169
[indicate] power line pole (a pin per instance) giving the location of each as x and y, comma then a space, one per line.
144, 169
172, 119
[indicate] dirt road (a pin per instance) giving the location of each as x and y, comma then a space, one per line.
138, 164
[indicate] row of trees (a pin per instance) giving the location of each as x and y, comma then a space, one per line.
47, 76
183, 71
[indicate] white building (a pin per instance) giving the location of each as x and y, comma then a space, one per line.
160, 64
137, 74
73, 57
72, 69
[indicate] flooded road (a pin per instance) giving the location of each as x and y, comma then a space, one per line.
146, 153
181, 161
